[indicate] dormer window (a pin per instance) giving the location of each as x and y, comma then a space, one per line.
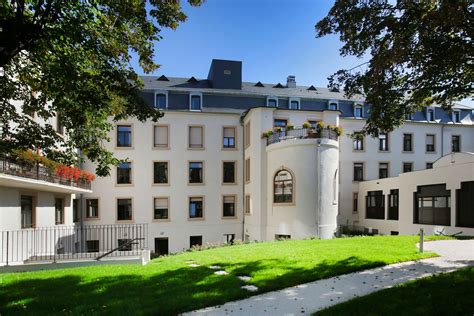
294, 104
272, 102
195, 102
333, 105
430, 115
408, 117
457, 116
161, 100
358, 113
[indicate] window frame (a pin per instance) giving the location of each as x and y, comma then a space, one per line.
195, 94
428, 111
223, 138
387, 144
202, 162
117, 175
358, 106
117, 136
408, 163
388, 169
355, 202
247, 170
272, 98
202, 217
358, 141
293, 191
167, 183
163, 92
434, 144
132, 215
453, 116
411, 143
459, 143
298, 103
154, 146
330, 102
235, 206
203, 136
62, 211
354, 173
86, 217
248, 204
33, 210
153, 209
235, 172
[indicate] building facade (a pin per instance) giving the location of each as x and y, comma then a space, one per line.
238, 160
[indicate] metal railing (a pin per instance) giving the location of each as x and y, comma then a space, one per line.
72, 243
301, 133
15, 167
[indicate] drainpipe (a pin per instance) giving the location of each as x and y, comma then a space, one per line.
243, 177
442, 140
318, 187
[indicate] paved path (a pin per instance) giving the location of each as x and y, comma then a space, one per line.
311, 297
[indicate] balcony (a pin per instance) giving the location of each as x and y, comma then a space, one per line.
302, 133
15, 172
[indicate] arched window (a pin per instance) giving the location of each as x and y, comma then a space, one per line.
283, 187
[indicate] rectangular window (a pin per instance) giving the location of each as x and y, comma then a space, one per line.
195, 103
430, 143
124, 209
375, 205
430, 115
161, 208
407, 142
407, 167
358, 141
196, 207
59, 211
408, 117
383, 142
332, 106
27, 211
456, 143
92, 246
196, 174
124, 136
229, 206
75, 211
124, 173
124, 244
358, 112
272, 103
195, 241
196, 137
247, 170
160, 136
229, 137
247, 135
92, 208
358, 171
228, 172
160, 101
280, 125
247, 205
457, 117
429, 165
59, 125
160, 172
355, 202
433, 205
294, 105
383, 170
393, 205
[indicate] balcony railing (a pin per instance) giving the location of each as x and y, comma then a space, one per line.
72, 242
302, 133
13, 166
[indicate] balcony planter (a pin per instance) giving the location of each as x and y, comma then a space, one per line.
312, 133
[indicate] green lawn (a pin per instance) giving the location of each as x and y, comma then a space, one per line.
168, 285
445, 294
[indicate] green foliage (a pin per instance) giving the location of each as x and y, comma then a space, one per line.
168, 286
420, 54
306, 125
72, 58
445, 294
319, 125
267, 134
290, 127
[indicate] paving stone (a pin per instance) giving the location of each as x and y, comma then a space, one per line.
194, 265
221, 272
215, 267
250, 288
244, 278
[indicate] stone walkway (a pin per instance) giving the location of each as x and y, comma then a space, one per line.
311, 297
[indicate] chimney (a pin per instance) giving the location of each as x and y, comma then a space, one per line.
225, 74
291, 82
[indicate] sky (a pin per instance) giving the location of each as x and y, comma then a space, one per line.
272, 38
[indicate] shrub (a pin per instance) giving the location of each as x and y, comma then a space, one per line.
306, 125
290, 127
320, 125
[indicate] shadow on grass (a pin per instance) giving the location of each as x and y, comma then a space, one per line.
160, 292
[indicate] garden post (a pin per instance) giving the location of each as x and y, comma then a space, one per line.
422, 239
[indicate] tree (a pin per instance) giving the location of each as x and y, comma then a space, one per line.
421, 53
72, 59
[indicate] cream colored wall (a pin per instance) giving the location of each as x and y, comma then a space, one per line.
178, 228
371, 156
10, 211
450, 174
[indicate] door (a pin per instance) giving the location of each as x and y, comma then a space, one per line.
27, 215
161, 246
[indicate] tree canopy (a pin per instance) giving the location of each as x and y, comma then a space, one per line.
72, 59
420, 53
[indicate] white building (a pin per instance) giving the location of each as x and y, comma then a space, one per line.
238, 160
204, 173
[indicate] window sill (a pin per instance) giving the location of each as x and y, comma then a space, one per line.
407, 152
160, 184
229, 149
229, 217
196, 219
229, 183
284, 204
124, 148
118, 185
160, 148
161, 220
128, 221
430, 152
92, 219
196, 184
196, 148
384, 151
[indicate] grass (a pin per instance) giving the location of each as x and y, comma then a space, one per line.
445, 294
168, 285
